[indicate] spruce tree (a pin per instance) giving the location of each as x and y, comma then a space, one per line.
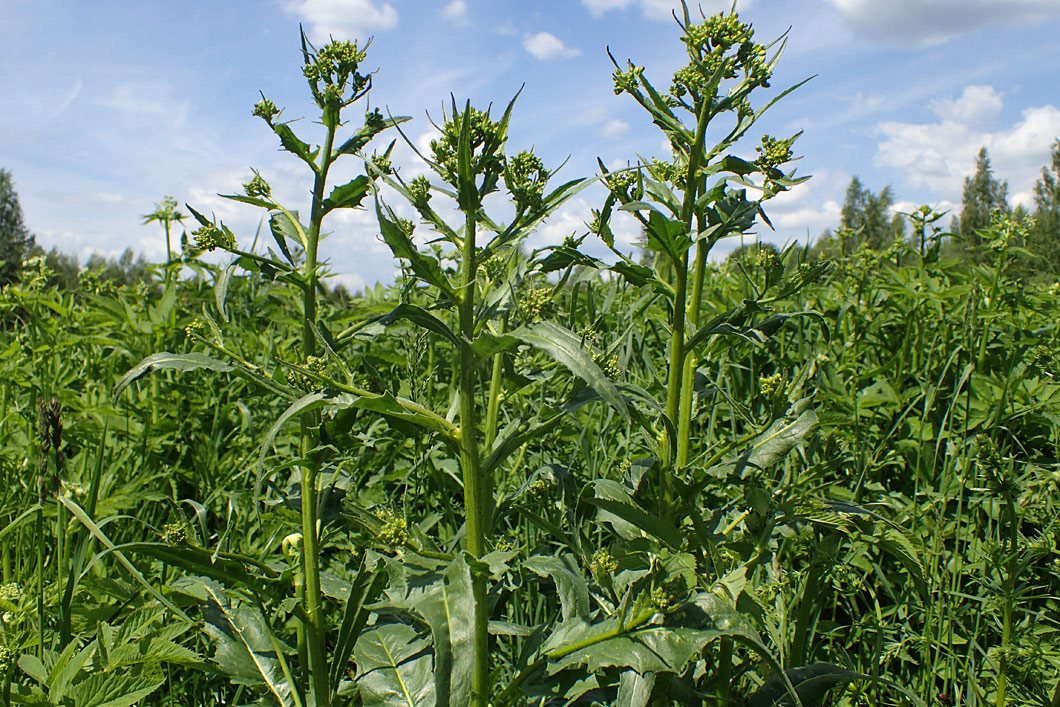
870, 215
982, 196
15, 239
1045, 236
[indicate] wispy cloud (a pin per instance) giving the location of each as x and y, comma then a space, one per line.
927, 22
343, 19
548, 47
663, 9
455, 11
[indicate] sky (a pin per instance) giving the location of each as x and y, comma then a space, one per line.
108, 106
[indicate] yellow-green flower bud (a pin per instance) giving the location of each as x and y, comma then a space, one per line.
175, 534
603, 565
257, 187
771, 385
394, 531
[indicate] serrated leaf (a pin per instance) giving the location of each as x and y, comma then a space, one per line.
244, 648
111, 690
178, 362
293, 144
220, 289
282, 227
349, 195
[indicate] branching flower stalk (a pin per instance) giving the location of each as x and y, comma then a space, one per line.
335, 83
725, 66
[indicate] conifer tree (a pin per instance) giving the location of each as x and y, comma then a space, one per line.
15, 239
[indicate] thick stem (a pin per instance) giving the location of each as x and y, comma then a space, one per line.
684, 429
314, 620
477, 490
493, 404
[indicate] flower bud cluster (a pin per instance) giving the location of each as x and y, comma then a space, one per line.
669, 593
212, 237
395, 529
7, 659
603, 565
332, 74
315, 364
383, 164
484, 138
626, 81
537, 304
771, 385
420, 191
710, 46
257, 187
175, 534
266, 110
525, 175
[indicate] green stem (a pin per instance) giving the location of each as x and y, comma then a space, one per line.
494, 401
684, 428
477, 488
314, 619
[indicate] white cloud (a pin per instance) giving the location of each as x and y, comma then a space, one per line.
343, 19
664, 9
926, 22
977, 105
940, 155
616, 129
548, 47
456, 11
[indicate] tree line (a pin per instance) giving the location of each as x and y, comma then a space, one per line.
869, 219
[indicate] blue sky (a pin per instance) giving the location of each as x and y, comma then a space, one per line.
107, 106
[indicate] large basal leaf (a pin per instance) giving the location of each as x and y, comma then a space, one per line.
812, 683
448, 606
394, 667
178, 362
245, 649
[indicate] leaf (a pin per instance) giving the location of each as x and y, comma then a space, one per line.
448, 606
292, 144
349, 195
282, 227
420, 317
230, 569
304, 404
634, 689
243, 645
178, 362
812, 683
573, 592
426, 267
566, 348
394, 667
615, 499
114, 690
220, 289
782, 436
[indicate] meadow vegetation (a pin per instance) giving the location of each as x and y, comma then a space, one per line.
534, 477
